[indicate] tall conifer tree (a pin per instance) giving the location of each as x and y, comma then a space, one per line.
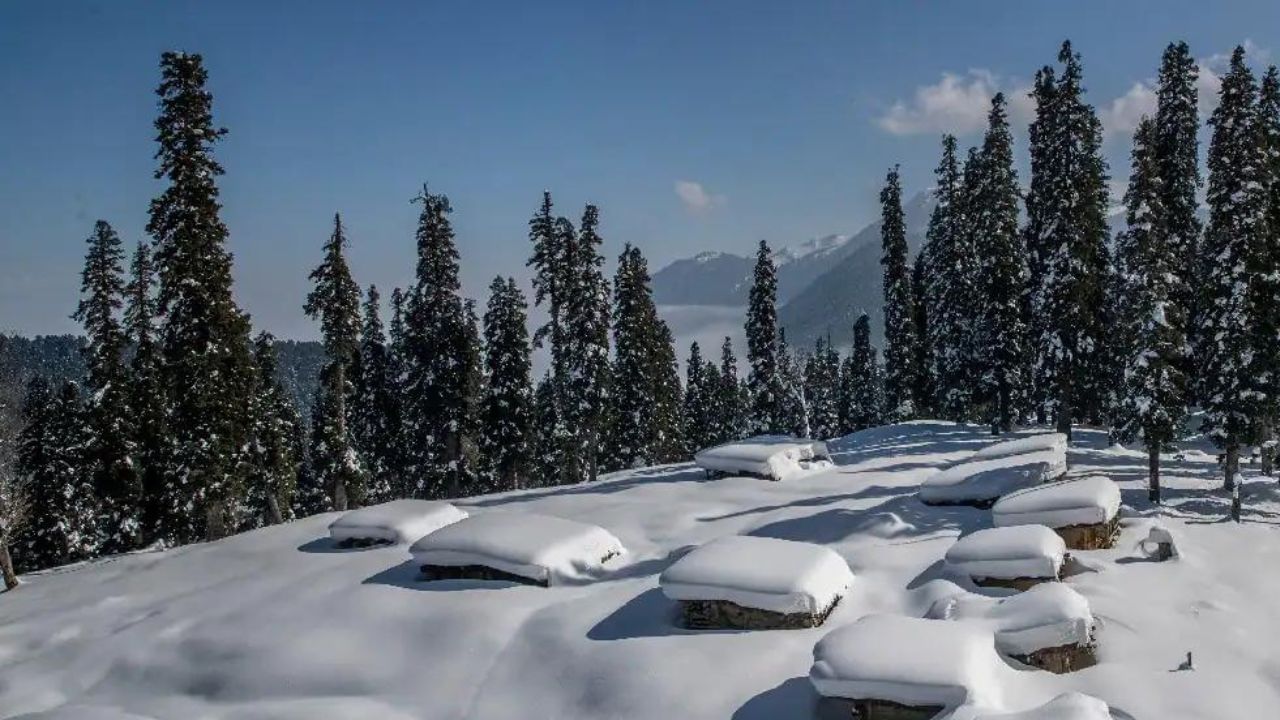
949, 287
375, 411
146, 395
731, 398
860, 395
1266, 280
899, 326
506, 436
586, 324
273, 464
763, 382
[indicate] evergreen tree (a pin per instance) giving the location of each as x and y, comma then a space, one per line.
1237, 225
925, 384
1072, 251
586, 339
548, 433
950, 287
822, 384
731, 399
1041, 205
701, 391
438, 375
109, 455
1154, 398
506, 437
1266, 282
375, 407
52, 452
763, 382
1000, 277
1176, 155
206, 365
273, 466
640, 426
860, 395
668, 442
899, 325
398, 459
146, 399
793, 404
335, 302
470, 469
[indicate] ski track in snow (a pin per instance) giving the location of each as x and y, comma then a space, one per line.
277, 624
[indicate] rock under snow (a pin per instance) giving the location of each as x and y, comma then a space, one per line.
977, 482
541, 548
780, 576
1049, 615
910, 661
1055, 442
398, 521
776, 457
1007, 553
1089, 500
1067, 706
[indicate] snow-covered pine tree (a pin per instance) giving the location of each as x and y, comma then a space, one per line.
146, 400
109, 455
1070, 260
1237, 222
438, 375
273, 466
701, 387
1266, 281
860, 395
1040, 208
668, 442
925, 384
731, 403
547, 466
950, 287
506, 428
334, 300
206, 366
470, 471
899, 327
51, 455
586, 340
401, 484
763, 383
1153, 401
375, 407
1000, 276
822, 383
1176, 150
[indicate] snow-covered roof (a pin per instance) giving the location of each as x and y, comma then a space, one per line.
1044, 616
1067, 706
773, 456
398, 521
781, 576
1032, 443
1079, 501
911, 661
980, 480
1032, 551
538, 547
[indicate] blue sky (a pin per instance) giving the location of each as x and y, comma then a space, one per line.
694, 125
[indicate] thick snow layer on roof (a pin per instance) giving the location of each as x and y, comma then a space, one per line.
1045, 616
979, 480
911, 661
773, 456
539, 547
759, 572
1019, 446
398, 521
1067, 706
1081, 501
1030, 551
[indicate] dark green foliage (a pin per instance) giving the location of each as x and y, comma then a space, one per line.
731, 399
949, 288
763, 382
146, 400
822, 390
701, 394
861, 397
899, 306
925, 386
273, 464
375, 407
506, 427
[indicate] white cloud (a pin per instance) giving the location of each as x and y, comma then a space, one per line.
695, 197
1122, 116
955, 104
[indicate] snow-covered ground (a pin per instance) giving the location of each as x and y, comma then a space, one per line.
280, 624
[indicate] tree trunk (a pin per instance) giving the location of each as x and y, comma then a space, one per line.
1267, 449
1230, 465
273, 509
1064, 417
1153, 474
6, 567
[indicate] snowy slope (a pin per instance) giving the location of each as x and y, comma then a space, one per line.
278, 624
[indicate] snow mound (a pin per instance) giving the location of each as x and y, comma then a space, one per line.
1044, 616
777, 457
977, 481
780, 576
81, 712
1021, 551
1067, 706
398, 521
1051, 442
911, 661
1084, 501
538, 547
